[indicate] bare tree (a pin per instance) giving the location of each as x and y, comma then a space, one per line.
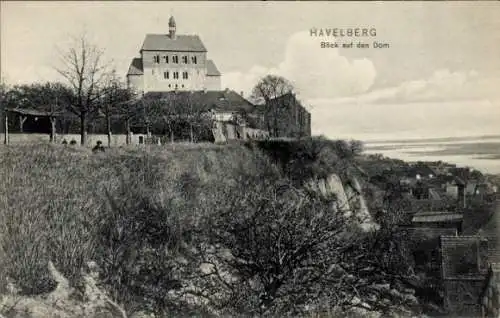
269, 91
4, 90
129, 110
84, 69
176, 111
113, 95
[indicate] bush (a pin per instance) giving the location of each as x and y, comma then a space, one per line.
153, 217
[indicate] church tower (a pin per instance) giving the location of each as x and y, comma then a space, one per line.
171, 27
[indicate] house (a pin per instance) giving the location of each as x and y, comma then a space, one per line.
420, 171
464, 270
285, 116
438, 219
232, 116
490, 299
172, 61
423, 234
456, 190
461, 172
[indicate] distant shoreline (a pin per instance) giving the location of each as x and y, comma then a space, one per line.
430, 140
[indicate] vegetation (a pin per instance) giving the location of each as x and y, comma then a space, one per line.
201, 229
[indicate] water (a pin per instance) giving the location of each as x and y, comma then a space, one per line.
482, 153
466, 133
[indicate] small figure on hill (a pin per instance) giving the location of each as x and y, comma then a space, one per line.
72, 142
64, 142
98, 147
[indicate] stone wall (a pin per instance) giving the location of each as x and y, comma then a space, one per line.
116, 140
491, 296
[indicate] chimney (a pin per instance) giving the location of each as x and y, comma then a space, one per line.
461, 196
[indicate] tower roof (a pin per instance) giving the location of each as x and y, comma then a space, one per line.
171, 21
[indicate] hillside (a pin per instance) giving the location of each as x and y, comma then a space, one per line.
215, 230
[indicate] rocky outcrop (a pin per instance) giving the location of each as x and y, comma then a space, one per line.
348, 199
64, 301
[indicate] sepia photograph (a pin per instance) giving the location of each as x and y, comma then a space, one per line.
249, 159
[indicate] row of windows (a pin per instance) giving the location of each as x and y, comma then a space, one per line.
174, 59
176, 86
175, 75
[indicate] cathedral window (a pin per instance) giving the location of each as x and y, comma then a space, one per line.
176, 75
185, 75
185, 59
193, 59
175, 59
165, 58
166, 75
156, 59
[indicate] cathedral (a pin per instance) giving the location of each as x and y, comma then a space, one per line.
170, 62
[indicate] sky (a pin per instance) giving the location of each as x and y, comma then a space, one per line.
439, 77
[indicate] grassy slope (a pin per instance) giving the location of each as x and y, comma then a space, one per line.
54, 197
68, 205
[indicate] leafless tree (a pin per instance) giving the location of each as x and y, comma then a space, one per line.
113, 94
129, 110
4, 89
176, 110
269, 91
84, 69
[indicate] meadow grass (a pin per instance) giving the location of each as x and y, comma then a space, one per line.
54, 198
136, 209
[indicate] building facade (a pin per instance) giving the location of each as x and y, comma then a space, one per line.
171, 62
285, 116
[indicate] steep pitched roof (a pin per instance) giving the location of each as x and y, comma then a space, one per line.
432, 217
182, 43
424, 233
208, 100
464, 257
212, 69
135, 67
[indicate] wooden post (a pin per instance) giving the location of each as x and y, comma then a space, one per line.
108, 124
22, 119
53, 129
6, 135
127, 139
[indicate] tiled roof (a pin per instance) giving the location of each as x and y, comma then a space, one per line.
206, 100
135, 67
212, 69
424, 233
431, 217
181, 43
34, 112
464, 257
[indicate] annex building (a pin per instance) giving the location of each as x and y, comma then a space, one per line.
171, 62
